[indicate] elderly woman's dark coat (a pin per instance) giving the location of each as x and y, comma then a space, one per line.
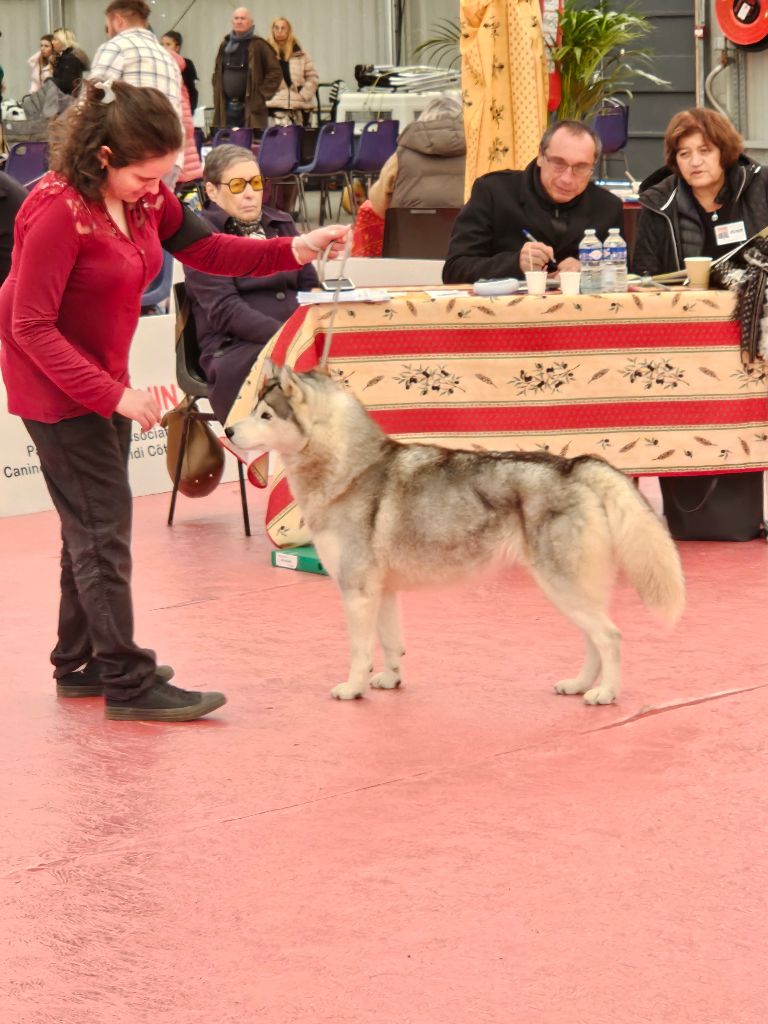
236, 316
12, 195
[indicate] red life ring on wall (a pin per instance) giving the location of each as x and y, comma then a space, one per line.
744, 22
553, 36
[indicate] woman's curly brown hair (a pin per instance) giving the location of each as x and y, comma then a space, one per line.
138, 124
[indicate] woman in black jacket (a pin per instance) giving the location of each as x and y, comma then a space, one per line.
70, 61
709, 197
713, 199
174, 41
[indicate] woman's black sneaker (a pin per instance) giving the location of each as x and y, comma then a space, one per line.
164, 703
86, 682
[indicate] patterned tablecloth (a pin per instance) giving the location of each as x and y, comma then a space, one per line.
651, 381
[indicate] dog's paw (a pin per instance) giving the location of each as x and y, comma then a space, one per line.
571, 686
600, 695
386, 680
346, 691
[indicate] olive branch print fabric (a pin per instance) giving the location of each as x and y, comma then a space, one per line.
651, 381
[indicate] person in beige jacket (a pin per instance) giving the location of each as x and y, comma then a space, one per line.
427, 168
295, 98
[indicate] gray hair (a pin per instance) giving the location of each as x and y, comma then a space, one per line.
575, 128
222, 157
440, 107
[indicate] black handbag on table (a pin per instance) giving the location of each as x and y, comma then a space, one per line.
722, 506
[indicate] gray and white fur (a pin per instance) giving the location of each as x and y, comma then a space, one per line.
387, 516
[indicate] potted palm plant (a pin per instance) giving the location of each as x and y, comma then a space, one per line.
443, 45
593, 57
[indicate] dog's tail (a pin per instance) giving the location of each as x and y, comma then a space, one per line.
642, 544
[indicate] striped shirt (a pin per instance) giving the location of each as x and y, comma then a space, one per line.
136, 57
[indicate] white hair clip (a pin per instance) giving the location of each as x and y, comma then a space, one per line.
106, 87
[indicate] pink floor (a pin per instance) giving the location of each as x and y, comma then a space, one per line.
469, 849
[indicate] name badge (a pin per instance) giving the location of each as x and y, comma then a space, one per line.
726, 234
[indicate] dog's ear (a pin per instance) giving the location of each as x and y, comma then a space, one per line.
268, 372
290, 385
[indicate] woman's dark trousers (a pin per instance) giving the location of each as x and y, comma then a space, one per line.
84, 461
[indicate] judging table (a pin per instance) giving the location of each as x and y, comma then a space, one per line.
650, 380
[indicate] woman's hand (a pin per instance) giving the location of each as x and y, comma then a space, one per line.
308, 247
141, 406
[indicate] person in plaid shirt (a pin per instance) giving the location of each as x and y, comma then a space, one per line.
134, 54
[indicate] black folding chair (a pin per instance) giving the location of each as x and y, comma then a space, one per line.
416, 234
191, 380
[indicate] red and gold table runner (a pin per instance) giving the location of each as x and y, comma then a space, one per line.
651, 381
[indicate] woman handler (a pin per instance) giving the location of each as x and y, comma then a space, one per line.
67, 315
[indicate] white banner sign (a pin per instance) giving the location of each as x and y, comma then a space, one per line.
152, 366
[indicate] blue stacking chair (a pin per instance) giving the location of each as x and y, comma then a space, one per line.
234, 137
375, 145
612, 127
333, 156
159, 290
279, 158
27, 162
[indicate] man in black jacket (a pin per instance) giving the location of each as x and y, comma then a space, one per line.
535, 218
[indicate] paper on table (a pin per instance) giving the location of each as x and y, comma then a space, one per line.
449, 293
353, 295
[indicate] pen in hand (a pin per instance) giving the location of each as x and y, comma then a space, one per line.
552, 264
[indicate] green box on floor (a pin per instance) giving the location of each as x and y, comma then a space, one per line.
304, 559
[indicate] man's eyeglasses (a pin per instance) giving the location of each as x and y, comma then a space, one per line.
561, 166
237, 185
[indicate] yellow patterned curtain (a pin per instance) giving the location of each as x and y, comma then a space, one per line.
504, 83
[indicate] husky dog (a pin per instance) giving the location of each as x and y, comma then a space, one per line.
387, 516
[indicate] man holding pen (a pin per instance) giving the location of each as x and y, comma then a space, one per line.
533, 219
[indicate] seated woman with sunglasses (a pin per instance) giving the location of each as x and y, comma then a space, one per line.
236, 316
534, 218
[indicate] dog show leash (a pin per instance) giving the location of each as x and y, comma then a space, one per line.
322, 261
321, 270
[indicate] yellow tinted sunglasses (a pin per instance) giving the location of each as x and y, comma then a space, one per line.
237, 185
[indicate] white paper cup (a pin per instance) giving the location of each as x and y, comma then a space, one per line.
570, 281
536, 281
697, 268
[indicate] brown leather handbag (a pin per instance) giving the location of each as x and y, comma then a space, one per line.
203, 463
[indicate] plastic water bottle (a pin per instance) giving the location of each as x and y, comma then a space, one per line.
614, 262
590, 263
